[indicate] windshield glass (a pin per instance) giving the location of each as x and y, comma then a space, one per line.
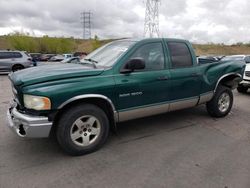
232, 58
108, 54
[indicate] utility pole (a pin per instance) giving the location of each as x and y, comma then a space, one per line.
86, 24
151, 24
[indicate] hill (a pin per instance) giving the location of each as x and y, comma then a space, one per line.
66, 45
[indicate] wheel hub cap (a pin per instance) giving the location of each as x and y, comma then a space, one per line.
85, 130
224, 102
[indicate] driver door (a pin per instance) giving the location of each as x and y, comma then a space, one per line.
141, 92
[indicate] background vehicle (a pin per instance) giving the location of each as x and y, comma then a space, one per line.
57, 58
123, 80
66, 56
207, 59
71, 60
35, 56
80, 54
245, 58
14, 60
46, 57
245, 84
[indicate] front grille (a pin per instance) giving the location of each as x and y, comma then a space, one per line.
247, 73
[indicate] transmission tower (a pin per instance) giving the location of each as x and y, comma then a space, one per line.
151, 24
86, 24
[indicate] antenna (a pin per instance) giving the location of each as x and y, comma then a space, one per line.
86, 24
151, 24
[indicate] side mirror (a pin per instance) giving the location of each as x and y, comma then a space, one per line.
133, 64
247, 59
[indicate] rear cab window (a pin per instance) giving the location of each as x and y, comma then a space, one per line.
180, 55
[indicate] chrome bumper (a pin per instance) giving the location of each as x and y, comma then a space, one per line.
28, 126
245, 83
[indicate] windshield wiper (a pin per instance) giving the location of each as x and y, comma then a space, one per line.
93, 62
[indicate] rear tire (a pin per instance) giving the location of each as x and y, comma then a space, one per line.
17, 68
221, 103
82, 129
242, 89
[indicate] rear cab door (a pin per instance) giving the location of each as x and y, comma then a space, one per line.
184, 75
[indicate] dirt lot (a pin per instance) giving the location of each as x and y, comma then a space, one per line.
181, 149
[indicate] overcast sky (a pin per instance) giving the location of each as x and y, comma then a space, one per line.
201, 21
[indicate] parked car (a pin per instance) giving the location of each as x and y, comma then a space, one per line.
123, 80
245, 84
46, 57
207, 59
71, 60
79, 54
14, 60
245, 58
66, 56
35, 56
56, 58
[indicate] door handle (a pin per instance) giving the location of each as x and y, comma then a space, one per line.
161, 78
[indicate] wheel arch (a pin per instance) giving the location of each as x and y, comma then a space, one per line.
101, 101
15, 65
230, 80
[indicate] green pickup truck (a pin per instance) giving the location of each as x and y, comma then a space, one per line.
126, 79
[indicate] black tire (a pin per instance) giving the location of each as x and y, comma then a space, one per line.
68, 120
242, 89
213, 105
17, 68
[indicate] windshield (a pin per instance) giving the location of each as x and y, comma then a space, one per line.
108, 54
232, 58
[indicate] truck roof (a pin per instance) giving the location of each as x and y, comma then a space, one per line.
152, 39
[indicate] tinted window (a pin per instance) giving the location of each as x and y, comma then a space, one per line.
7, 55
247, 59
152, 54
16, 55
180, 55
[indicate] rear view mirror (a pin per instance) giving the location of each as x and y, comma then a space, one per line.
247, 59
133, 64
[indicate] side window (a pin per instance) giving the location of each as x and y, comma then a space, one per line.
1, 55
152, 54
180, 55
10, 55
5, 55
247, 59
16, 55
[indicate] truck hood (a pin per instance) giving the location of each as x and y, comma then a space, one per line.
47, 73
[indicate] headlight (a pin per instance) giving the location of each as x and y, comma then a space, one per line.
36, 102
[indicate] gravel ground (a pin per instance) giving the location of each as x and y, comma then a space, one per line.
185, 148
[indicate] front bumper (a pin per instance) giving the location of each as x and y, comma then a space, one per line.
28, 126
245, 83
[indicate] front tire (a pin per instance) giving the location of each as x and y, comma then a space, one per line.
82, 129
222, 102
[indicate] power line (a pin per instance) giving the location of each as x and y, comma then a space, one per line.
86, 24
151, 24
